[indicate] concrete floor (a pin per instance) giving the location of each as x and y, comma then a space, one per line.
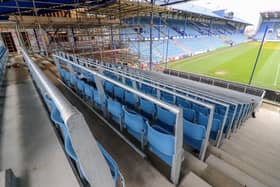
257, 142
28, 143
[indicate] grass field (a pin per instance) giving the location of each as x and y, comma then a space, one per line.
236, 63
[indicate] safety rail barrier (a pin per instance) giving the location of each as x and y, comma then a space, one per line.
94, 165
156, 124
217, 82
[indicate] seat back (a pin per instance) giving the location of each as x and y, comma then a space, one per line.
183, 103
134, 121
147, 108
108, 87
115, 109
166, 118
161, 144
189, 114
119, 93
129, 98
194, 131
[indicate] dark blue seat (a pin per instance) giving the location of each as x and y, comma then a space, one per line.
89, 76
129, 99
135, 125
147, 108
161, 143
166, 119
114, 168
115, 109
189, 114
148, 90
193, 134
109, 88
183, 103
119, 93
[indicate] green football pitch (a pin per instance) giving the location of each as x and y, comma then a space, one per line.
236, 64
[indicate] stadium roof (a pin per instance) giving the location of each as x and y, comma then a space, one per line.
206, 12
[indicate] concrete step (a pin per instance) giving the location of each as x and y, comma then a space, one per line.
208, 173
245, 167
260, 140
192, 180
233, 172
267, 166
263, 150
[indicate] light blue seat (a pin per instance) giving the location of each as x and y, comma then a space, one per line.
161, 143
216, 124
183, 103
67, 79
166, 97
189, 114
89, 92
166, 119
115, 109
135, 125
97, 98
89, 76
73, 81
119, 93
147, 108
193, 134
114, 168
129, 99
80, 86
199, 109
128, 82
109, 88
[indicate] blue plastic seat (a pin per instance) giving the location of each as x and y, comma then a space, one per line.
166, 97
216, 124
97, 98
67, 77
80, 86
108, 88
119, 93
161, 143
89, 76
115, 109
129, 99
183, 103
135, 125
73, 81
166, 119
189, 114
128, 82
148, 90
193, 134
200, 109
147, 108
89, 92
114, 168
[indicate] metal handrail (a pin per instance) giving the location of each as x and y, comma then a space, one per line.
84, 144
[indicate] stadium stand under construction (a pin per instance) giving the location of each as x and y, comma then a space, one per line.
87, 98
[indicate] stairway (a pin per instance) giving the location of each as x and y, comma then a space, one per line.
252, 155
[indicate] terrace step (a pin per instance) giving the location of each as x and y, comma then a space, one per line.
192, 180
233, 172
245, 167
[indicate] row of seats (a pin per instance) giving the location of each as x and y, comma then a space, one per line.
64, 131
159, 140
